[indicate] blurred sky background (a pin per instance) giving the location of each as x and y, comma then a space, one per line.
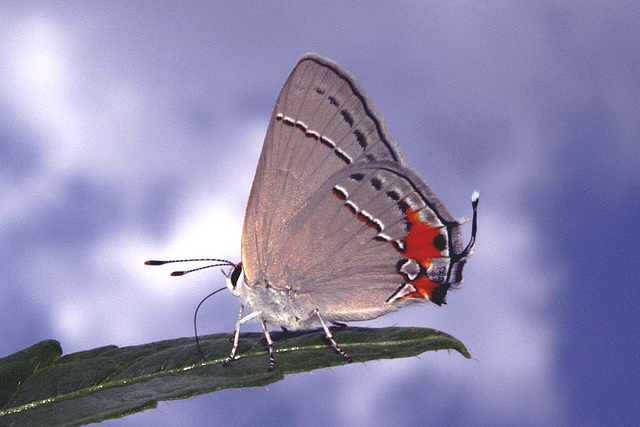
131, 130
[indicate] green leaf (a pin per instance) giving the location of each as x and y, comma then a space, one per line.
37, 386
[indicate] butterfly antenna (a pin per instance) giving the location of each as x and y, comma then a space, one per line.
156, 262
475, 197
195, 323
219, 263
181, 273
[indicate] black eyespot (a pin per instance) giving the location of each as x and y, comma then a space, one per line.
439, 242
393, 195
347, 117
439, 294
235, 275
362, 139
376, 183
403, 205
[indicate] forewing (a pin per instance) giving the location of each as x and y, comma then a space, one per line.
322, 123
373, 238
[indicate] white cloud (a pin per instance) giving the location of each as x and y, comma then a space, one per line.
40, 74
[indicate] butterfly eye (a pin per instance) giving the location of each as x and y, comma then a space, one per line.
235, 275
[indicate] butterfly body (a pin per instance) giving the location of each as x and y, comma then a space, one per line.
294, 308
281, 306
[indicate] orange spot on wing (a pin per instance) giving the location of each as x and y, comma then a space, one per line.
424, 288
419, 245
419, 240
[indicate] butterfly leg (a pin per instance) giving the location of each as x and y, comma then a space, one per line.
236, 336
272, 359
334, 344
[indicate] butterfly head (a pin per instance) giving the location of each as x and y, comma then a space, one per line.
234, 279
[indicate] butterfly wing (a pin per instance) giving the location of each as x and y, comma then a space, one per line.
335, 215
386, 240
322, 123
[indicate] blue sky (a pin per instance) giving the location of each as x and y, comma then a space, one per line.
132, 131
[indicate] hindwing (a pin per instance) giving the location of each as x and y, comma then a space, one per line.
372, 238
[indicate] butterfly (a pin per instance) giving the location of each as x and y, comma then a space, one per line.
338, 227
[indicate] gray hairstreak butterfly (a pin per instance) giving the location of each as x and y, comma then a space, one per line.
338, 227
